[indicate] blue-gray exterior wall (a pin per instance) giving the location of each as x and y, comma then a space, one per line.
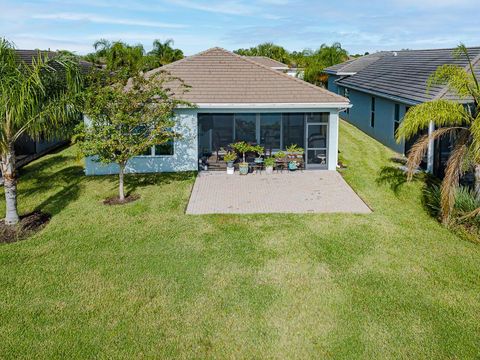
184, 156
359, 115
331, 85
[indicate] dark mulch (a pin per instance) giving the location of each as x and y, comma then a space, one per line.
28, 225
116, 201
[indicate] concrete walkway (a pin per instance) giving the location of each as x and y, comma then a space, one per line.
310, 191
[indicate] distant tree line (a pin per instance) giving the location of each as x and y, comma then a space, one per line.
313, 62
119, 56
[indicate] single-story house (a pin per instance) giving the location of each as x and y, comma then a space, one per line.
239, 99
384, 85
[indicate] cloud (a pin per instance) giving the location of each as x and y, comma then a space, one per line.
69, 16
228, 7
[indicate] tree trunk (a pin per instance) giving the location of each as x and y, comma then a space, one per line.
10, 185
120, 183
477, 181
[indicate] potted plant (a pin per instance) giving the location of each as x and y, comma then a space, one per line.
229, 158
242, 147
269, 163
260, 151
294, 152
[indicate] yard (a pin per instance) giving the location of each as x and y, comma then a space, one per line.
146, 280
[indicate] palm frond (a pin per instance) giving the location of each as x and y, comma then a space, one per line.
454, 170
441, 112
419, 149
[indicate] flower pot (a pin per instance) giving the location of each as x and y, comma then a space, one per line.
229, 164
269, 170
230, 170
292, 166
243, 169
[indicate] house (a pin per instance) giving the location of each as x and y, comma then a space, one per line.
239, 99
276, 65
383, 86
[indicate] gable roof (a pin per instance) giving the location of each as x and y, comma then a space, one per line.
268, 62
403, 75
352, 66
217, 76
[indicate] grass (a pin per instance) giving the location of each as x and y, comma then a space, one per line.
146, 280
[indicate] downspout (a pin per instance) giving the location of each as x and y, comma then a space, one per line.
431, 148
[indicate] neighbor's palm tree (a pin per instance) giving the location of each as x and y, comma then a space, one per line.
165, 52
36, 99
452, 118
331, 55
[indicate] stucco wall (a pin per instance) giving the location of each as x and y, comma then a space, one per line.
332, 86
184, 157
359, 115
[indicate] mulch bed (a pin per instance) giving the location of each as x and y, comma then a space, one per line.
28, 225
116, 201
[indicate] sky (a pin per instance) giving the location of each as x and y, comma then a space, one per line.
360, 26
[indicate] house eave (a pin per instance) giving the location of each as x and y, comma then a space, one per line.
381, 94
338, 105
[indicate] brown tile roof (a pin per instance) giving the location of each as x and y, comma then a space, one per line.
217, 76
267, 62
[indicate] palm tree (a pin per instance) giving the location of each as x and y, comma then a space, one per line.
165, 52
331, 55
36, 99
455, 119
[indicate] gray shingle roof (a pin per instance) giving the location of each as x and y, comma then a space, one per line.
27, 57
355, 65
404, 74
217, 76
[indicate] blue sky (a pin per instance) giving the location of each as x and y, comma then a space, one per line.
197, 25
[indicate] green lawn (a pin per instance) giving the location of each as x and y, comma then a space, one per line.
146, 280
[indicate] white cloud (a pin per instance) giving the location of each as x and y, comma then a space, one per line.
69, 16
225, 7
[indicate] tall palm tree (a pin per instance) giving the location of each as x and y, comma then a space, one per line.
459, 120
165, 51
37, 99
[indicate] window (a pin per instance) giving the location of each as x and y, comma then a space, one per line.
293, 129
396, 119
246, 127
270, 130
372, 114
346, 94
164, 149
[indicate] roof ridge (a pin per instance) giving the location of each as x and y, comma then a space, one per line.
278, 73
445, 88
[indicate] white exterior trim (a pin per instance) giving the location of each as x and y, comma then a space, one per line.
273, 105
332, 147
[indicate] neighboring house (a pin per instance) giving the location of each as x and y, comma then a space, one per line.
26, 148
276, 65
240, 99
383, 86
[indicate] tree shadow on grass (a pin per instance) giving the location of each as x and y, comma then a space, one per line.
396, 178
135, 181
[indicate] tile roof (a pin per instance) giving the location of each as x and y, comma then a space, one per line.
268, 62
354, 65
217, 76
27, 56
404, 74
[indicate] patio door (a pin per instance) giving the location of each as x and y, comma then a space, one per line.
316, 145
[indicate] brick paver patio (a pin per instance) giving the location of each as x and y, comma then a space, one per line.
311, 191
